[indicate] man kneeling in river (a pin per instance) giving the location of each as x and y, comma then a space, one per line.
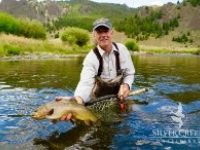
107, 69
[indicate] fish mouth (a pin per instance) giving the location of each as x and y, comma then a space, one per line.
36, 115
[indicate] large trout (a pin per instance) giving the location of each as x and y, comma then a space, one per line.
54, 110
101, 109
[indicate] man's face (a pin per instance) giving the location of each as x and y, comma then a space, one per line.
103, 37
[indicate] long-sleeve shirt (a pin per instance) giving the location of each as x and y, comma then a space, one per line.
91, 65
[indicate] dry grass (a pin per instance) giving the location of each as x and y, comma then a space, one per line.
14, 45
156, 49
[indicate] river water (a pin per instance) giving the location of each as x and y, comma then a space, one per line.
169, 119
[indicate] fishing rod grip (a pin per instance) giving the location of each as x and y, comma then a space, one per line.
135, 92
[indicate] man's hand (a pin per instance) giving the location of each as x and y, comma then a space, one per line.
124, 91
69, 116
79, 100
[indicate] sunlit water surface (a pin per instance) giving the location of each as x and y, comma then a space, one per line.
170, 120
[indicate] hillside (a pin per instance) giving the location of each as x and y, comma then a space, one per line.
42, 11
171, 25
189, 23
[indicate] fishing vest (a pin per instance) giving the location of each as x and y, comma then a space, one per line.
101, 87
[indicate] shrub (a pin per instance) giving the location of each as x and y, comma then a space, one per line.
27, 28
197, 52
82, 22
74, 35
183, 38
193, 2
56, 35
32, 29
8, 24
132, 45
12, 50
1, 50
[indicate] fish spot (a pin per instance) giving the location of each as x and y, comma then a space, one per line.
51, 112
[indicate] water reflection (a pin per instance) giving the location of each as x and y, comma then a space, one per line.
40, 74
80, 137
173, 81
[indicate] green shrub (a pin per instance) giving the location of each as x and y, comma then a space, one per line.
12, 50
132, 45
197, 52
76, 36
8, 24
82, 22
193, 2
1, 50
183, 38
56, 35
32, 29
26, 28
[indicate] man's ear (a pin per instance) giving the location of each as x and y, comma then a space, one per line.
93, 33
112, 31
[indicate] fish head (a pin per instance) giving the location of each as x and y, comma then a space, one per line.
42, 112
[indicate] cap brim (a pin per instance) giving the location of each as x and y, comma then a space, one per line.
101, 25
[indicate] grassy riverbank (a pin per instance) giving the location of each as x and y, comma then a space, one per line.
11, 45
20, 47
165, 50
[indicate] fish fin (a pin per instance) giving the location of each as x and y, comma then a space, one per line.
58, 99
87, 122
72, 121
54, 121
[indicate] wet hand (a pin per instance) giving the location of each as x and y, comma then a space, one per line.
124, 91
69, 117
58, 98
66, 117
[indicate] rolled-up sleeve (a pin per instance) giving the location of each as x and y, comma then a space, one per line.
87, 78
126, 63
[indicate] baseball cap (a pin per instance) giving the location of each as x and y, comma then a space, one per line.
102, 22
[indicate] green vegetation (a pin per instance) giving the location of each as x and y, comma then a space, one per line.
138, 25
32, 29
82, 14
132, 45
11, 45
141, 28
163, 50
11, 49
76, 36
183, 38
9, 24
84, 22
193, 2
21, 27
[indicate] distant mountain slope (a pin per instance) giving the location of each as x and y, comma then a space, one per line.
50, 10
42, 11
81, 13
189, 15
